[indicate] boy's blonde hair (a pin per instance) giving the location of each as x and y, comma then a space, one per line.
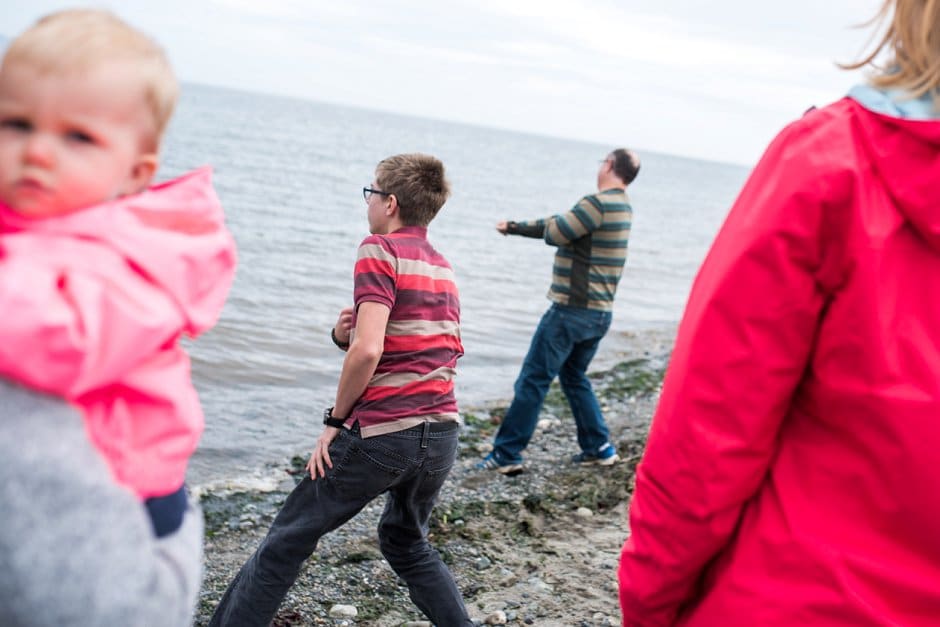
912, 41
78, 40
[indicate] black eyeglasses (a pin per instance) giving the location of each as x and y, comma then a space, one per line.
368, 191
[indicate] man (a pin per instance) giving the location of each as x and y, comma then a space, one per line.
393, 427
592, 249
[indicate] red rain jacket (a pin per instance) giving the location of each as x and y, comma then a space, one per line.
792, 472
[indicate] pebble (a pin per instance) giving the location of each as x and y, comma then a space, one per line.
547, 424
496, 618
583, 512
343, 611
539, 585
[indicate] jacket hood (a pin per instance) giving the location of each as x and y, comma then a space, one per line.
173, 233
905, 154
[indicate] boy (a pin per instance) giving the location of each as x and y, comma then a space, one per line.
99, 278
393, 427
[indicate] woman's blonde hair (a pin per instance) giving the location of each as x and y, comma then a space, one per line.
912, 43
78, 40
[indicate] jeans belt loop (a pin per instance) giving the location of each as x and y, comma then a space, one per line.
424, 434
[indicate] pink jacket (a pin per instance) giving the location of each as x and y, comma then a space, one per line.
93, 306
792, 472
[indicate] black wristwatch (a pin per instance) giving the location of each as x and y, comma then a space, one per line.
332, 421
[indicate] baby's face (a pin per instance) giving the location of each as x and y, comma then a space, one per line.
71, 140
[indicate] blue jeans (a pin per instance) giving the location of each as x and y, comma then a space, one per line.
563, 345
411, 466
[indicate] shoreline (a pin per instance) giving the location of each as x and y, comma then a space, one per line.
256, 463
540, 548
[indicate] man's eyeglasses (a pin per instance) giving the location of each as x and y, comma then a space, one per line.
368, 191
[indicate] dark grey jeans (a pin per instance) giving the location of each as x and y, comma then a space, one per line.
411, 466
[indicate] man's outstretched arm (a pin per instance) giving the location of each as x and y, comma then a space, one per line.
529, 228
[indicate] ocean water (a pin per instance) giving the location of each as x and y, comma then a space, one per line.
290, 174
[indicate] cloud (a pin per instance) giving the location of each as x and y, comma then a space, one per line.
677, 75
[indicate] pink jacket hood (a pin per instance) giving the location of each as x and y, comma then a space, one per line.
173, 233
94, 303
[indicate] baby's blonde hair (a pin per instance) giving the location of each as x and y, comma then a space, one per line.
912, 43
78, 40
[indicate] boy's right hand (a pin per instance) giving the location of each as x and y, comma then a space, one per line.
343, 325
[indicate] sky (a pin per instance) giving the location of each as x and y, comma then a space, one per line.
712, 80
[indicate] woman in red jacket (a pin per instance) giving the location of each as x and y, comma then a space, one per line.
792, 473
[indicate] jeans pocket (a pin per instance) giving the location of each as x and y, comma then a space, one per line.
384, 458
368, 466
442, 456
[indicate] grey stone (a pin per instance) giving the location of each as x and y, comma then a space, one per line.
343, 611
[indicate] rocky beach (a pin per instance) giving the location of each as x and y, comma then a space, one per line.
539, 548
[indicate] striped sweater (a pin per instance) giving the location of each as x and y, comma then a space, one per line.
414, 379
592, 248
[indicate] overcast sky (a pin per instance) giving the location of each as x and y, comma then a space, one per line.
714, 80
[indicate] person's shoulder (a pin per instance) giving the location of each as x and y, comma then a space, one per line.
373, 240
822, 125
821, 142
818, 153
607, 200
378, 247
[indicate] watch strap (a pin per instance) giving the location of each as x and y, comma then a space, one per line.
332, 421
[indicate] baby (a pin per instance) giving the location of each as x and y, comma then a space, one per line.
99, 274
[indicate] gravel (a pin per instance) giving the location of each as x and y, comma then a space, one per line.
540, 548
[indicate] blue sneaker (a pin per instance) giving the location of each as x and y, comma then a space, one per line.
490, 463
605, 456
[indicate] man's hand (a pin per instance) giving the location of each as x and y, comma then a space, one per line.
320, 458
343, 325
502, 227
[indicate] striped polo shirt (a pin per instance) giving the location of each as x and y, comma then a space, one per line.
414, 380
592, 248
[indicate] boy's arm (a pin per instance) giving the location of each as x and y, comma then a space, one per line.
68, 331
362, 357
66, 524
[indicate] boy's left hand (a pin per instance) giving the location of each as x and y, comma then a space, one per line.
343, 325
